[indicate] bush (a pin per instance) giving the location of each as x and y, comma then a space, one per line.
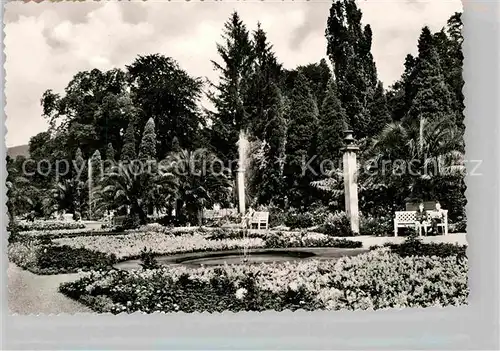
131, 222
299, 220
458, 227
77, 216
42, 257
415, 247
305, 239
376, 280
375, 226
148, 260
25, 226
277, 216
337, 224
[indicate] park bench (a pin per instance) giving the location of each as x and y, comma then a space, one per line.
260, 219
405, 219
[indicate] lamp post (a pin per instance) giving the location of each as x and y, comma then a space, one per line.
350, 180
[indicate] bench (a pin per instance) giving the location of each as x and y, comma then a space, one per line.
260, 219
405, 219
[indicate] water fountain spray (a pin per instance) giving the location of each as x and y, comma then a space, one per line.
243, 147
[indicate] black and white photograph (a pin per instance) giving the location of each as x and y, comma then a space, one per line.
184, 156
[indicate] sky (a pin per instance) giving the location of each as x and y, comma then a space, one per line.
46, 44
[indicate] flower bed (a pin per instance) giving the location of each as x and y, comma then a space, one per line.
68, 233
42, 257
305, 239
25, 226
376, 280
129, 246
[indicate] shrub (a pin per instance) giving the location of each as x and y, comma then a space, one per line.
375, 226
305, 239
131, 222
24, 226
42, 257
148, 260
277, 216
415, 247
77, 216
336, 224
299, 220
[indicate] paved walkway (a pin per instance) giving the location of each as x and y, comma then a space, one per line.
29, 293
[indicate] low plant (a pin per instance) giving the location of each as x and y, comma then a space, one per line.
25, 226
375, 226
305, 239
413, 246
337, 225
148, 259
378, 279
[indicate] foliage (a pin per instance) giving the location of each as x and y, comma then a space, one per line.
25, 226
376, 280
337, 224
46, 258
375, 226
305, 239
415, 247
301, 143
148, 260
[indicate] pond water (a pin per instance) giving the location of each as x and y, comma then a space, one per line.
238, 258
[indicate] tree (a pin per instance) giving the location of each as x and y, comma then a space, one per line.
110, 152
426, 161
128, 151
349, 49
196, 187
237, 56
19, 190
161, 90
318, 75
147, 148
266, 123
301, 143
332, 123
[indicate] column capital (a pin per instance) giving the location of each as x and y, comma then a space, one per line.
349, 141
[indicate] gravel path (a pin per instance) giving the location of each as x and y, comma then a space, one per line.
29, 293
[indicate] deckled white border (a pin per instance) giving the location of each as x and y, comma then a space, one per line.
473, 327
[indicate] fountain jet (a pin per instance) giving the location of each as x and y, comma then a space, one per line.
243, 147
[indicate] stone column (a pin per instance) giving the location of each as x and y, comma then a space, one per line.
350, 181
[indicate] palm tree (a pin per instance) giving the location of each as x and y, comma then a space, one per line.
430, 152
123, 187
67, 195
199, 184
404, 160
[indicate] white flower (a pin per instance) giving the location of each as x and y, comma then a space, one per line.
293, 286
240, 293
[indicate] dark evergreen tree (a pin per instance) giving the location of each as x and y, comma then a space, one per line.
332, 123
236, 55
265, 120
110, 152
349, 49
301, 144
318, 75
147, 148
379, 110
128, 152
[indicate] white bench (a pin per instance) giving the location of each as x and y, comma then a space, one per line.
405, 219
260, 219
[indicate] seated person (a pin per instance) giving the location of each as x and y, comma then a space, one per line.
437, 218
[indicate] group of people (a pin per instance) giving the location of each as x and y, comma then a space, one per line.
435, 217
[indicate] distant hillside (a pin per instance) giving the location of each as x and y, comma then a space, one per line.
20, 150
